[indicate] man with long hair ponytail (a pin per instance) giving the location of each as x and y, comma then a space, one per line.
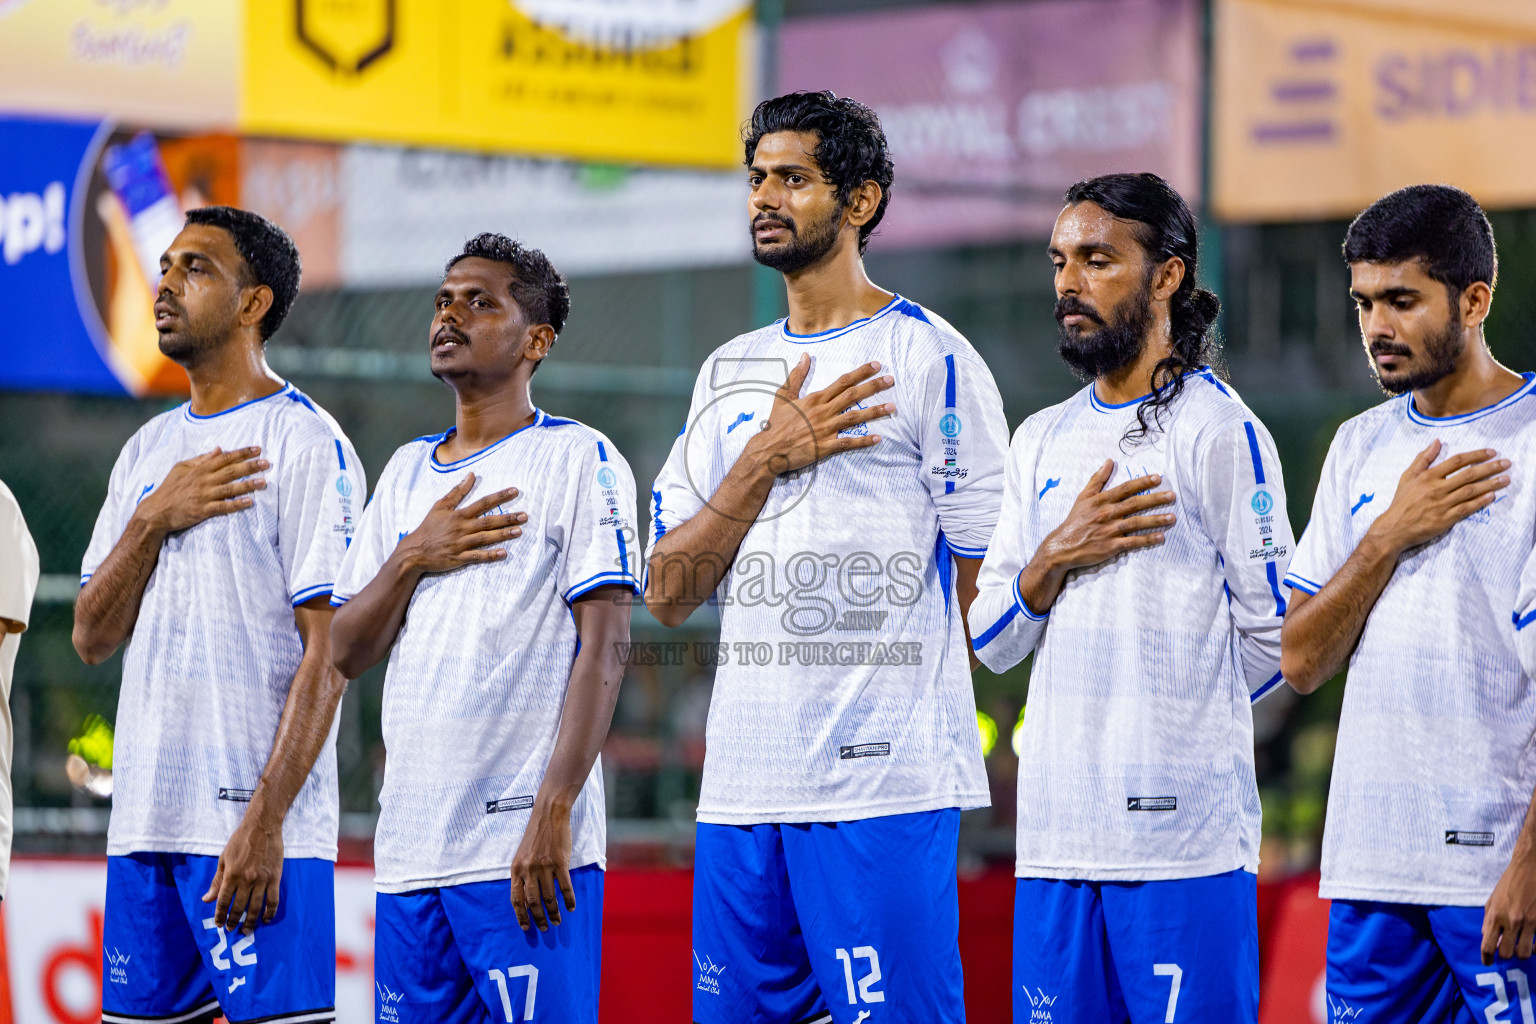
1139, 554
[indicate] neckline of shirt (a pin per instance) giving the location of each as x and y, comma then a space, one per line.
285, 389
1106, 407
539, 417
828, 335
1444, 421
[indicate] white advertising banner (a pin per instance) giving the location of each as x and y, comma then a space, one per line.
405, 212
53, 917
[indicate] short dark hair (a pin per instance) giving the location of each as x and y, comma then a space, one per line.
1165, 228
850, 144
537, 287
270, 256
1438, 225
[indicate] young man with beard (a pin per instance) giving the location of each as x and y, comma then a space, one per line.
842, 741
1417, 569
493, 568
213, 558
1139, 556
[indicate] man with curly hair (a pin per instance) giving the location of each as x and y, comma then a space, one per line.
833, 491
493, 569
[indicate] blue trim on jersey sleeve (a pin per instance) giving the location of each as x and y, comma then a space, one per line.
337, 602
85, 579
1305, 588
657, 525
602, 579
1521, 621
1273, 575
1293, 575
1274, 681
1018, 599
967, 552
945, 566
341, 456
997, 627
949, 381
310, 593
285, 389
1253, 451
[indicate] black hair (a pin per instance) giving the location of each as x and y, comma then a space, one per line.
270, 256
1165, 229
850, 144
537, 287
1438, 225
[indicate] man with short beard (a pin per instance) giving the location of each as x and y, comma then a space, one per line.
1417, 569
842, 514
1139, 555
213, 558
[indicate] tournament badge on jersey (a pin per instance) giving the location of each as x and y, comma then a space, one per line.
950, 463
610, 507
1260, 512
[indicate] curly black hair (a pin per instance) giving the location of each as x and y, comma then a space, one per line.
537, 287
1438, 225
850, 147
1165, 229
270, 256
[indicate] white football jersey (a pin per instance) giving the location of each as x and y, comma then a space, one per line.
478, 675
207, 669
1435, 764
843, 687
1137, 759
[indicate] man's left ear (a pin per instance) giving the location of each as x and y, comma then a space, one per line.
1475, 302
256, 305
863, 203
540, 339
1168, 278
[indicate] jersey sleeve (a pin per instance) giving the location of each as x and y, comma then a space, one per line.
964, 445
675, 498
318, 489
1003, 629
113, 517
1524, 617
18, 563
1324, 547
598, 523
372, 543
1242, 501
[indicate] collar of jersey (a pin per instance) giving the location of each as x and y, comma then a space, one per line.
539, 416
285, 389
1467, 417
1103, 406
836, 332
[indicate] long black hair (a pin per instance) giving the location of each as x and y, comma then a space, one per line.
1165, 229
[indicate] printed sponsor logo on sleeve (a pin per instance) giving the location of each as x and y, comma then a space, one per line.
1461, 837
864, 750
1260, 517
508, 803
1151, 803
242, 796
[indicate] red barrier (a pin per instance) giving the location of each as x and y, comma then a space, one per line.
1295, 948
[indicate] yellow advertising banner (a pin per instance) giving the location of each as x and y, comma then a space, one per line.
1323, 106
655, 81
170, 63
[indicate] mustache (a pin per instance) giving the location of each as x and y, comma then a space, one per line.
166, 299
449, 332
787, 223
1389, 348
1069, 305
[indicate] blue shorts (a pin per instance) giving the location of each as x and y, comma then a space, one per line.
845, 922
456, 955
164, 960
1399, 961
1184, 951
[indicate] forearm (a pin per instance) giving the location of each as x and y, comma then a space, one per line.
108, 605
691, 560
584, 722
301, 734
966, 571
1041, 581
364, 629
1321, 631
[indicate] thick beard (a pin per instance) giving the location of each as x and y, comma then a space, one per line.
1112, 347
803, 250
1442, 351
